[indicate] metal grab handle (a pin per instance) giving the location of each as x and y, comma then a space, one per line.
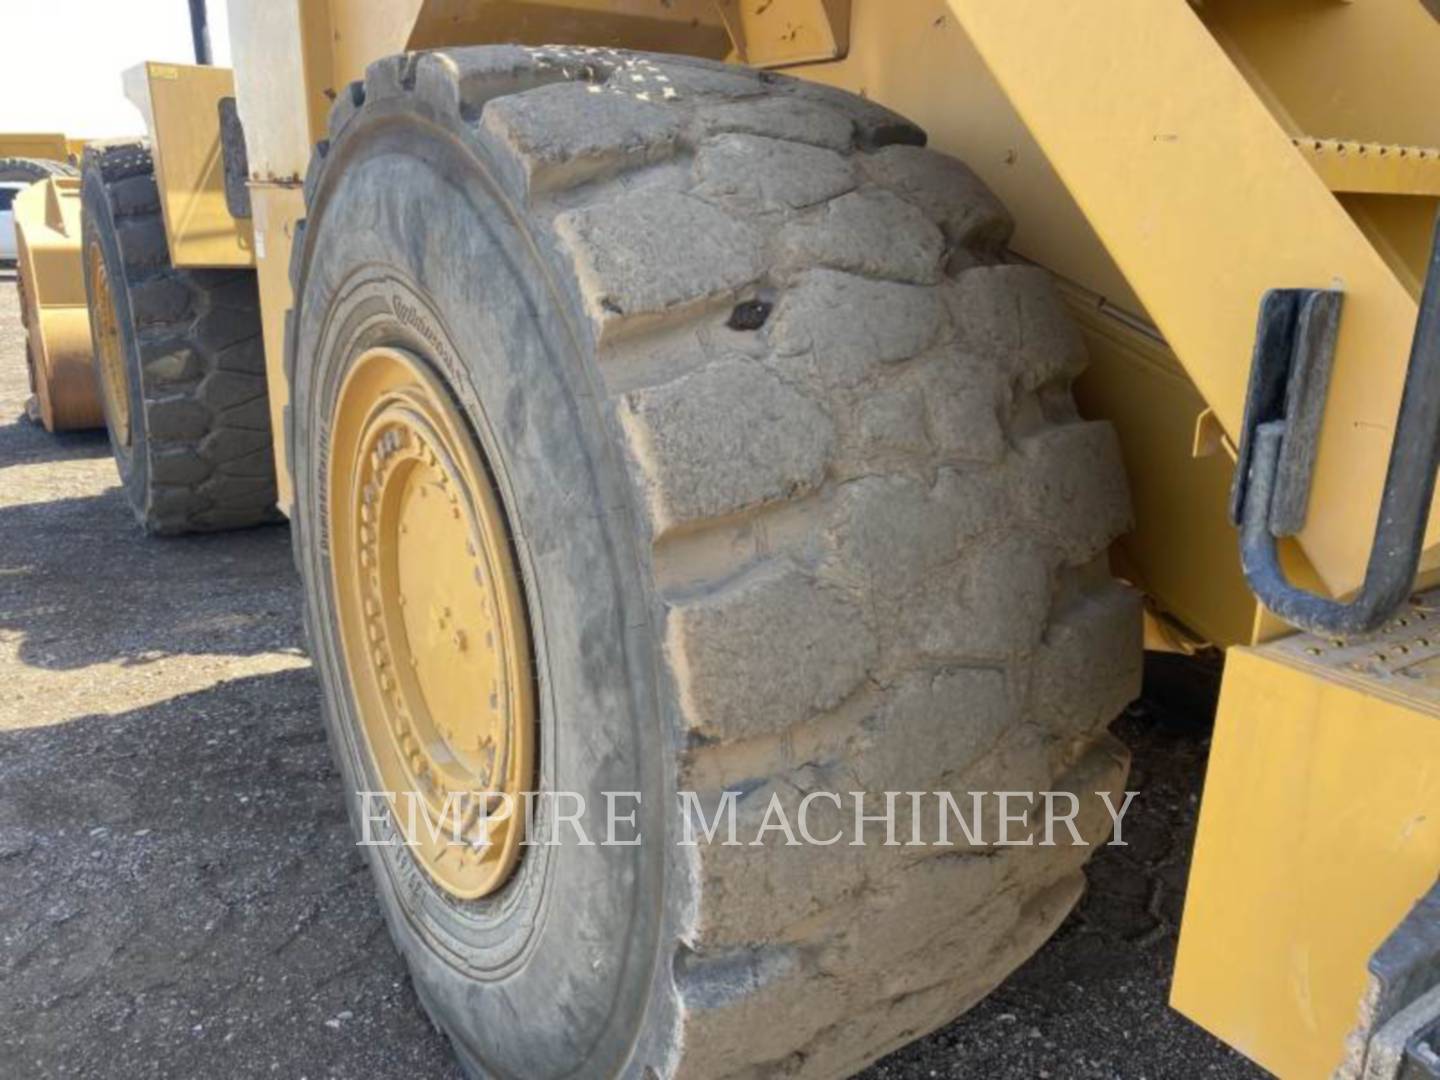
1404, 504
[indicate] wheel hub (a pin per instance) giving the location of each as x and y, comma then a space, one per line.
432, 621
114, 383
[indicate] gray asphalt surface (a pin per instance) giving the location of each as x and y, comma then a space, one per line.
179, 891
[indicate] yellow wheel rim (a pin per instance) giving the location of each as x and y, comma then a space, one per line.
114, 383
432, 621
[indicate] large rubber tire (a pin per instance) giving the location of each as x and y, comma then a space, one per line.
801, 501
200, 453
33, 169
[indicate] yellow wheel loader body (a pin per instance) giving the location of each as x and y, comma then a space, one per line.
1171, 164
41, 146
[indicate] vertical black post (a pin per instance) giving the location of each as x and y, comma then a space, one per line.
200, 32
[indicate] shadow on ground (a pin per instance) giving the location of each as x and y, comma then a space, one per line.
24, 442
180, 896
80, 584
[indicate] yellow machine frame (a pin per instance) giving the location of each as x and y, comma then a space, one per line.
1170, 162
180, 105
47, 146
1317, 834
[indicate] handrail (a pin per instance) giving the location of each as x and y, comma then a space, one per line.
1261, 482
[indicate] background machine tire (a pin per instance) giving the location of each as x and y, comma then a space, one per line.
798, 500
178, 357
32, 169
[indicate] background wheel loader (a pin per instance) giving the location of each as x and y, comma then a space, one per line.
660, 404
44, 212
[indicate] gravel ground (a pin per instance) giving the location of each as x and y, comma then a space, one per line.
179, 893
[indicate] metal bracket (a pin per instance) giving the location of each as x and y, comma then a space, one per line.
234, 158
1422, 1058
780, 35
1289, 377
1400, 1009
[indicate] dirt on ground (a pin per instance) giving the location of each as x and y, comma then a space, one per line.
180, 895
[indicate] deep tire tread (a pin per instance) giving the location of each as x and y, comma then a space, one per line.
198, 359
766, 972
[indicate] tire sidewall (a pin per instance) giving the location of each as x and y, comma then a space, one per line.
411, 244
98, 225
